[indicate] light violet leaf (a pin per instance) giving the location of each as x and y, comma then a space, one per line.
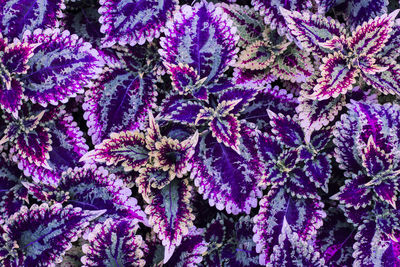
359, 11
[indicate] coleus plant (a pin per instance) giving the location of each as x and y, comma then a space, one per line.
366, 140
274, 140
347, 55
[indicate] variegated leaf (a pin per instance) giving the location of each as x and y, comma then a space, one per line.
292, 251
202, 38
17, 16
392, 46
315, 114
303, 216
170, 214
66, 139
337, 78
293, 65
226, 130
248, 22
61, 66
388, 82
311, 29
133, 22
127, 147
256, 56
174, 155
273, 14
119, 101
245, 94
369, 38
39, 236
224, 177
114, 243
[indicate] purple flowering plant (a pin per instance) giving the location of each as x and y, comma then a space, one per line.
200, 133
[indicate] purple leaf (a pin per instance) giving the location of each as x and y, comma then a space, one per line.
54, 75
359, 11
118, 101
114, 242
133, 22
224, 177
304, 216
292, 251
319, 170
287, 130
273, 14
372, 248
335, 239
16, 17
272, 98
202, 38
191, 251
93, 188
39, 236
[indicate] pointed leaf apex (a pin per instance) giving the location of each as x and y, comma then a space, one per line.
271, 114
168, 252
394, 14
4, 139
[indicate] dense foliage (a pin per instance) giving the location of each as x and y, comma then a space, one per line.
204, 133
